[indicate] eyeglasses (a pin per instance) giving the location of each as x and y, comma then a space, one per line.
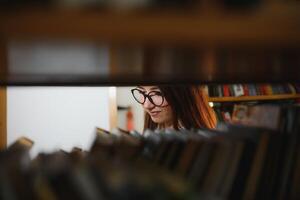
155, 97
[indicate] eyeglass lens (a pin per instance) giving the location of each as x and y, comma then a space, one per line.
155, 97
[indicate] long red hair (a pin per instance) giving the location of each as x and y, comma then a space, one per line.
190, 108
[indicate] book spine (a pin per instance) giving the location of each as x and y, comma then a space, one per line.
246, 89
226, 91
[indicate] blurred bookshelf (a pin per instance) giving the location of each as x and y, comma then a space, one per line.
252, 92
254, 98
230, 162
162, 65
205, 25
226, 98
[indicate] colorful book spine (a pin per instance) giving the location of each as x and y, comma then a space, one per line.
226, 90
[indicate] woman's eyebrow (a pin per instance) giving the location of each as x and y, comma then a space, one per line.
154, 88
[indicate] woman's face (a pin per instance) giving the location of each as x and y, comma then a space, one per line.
158, 107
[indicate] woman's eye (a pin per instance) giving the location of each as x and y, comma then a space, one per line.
140, 91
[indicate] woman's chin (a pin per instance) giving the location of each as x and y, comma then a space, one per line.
156, 120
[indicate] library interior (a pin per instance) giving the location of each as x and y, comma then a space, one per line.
174, 99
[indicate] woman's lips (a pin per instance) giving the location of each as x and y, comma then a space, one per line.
154, 113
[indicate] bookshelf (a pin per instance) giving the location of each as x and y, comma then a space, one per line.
254, 98
230, 97
201, 30
204, 27
3, 103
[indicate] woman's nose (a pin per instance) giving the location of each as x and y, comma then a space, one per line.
148, 104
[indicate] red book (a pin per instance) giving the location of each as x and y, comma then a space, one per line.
226, 91
265, 89
246, 89
262, 89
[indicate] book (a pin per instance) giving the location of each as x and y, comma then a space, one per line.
238, 90
201, 163
239, 113
174, 154
289, 153
246, 89
220, 91
226, 185
21, 144
292, 88
269, 89
226, 91
188, 155
264, 116
226, 117
252, 90
243, 170
216, 169
256, 167
265, 186
295, 182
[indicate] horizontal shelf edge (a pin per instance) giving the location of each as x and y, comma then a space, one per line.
254, 98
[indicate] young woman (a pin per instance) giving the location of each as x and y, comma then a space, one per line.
177, 107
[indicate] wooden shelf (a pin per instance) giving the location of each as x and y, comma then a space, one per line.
3, 118
254, 98
265, 25
136, 79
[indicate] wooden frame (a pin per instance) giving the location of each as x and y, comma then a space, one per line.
3, 136
112, 90
3, 103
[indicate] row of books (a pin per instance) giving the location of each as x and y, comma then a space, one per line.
223, 113
231, 162
214, 164
107, 171
236, 90
232, 112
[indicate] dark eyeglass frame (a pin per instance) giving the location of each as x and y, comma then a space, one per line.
149, 96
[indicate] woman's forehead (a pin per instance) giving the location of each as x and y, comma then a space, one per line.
148, 88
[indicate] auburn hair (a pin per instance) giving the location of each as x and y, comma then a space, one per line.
189, 105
